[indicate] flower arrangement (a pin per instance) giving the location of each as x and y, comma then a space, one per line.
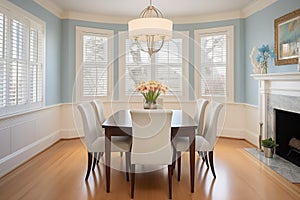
264, 53
260, 63
151, 90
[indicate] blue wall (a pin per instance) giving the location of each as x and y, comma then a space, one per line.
53, 49
259, 29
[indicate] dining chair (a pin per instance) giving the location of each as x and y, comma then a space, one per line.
95, 139
151, 141
99, 110
206, 142
200, 108
199, 117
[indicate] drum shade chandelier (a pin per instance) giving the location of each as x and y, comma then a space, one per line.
151, 27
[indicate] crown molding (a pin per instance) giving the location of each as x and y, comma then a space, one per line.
254, 7
51, 7
205, 18
175, 19
258, 5
95, 17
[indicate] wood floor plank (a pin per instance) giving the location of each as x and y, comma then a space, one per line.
58, 173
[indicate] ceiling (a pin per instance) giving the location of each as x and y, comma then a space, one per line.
170, 8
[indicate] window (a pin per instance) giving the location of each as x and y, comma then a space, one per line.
94, 63
214, 61
167, 66
21, 63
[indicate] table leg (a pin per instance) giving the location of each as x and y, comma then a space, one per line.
192, 161
107, 158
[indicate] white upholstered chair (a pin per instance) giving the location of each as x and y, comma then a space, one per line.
99, 109
200, 108
151, 141
205, 142
95, 139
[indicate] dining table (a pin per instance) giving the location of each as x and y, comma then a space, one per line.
120, 124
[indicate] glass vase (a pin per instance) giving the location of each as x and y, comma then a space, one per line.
264, 68
150, 105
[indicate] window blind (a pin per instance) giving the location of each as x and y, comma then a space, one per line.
36, 65
165, 66
3, 59
95, 65
213, 64
17, 66
21, 63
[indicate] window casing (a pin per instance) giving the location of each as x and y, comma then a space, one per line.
22, 43
168, 66
94, 63
214, 50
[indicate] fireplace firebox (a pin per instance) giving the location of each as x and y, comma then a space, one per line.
287, 126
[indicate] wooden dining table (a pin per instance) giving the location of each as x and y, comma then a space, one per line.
120, 124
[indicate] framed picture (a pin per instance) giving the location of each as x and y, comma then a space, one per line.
287, 38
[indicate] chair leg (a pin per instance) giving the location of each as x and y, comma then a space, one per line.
170, 169
206, 159
201, 154
179, 164
90, 158
95, 160
211, 162
132, 178
174, 159
127, 163
99, 157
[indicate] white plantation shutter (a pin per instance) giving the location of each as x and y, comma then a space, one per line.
3, 59
36, 65
95, 65
214, 55
17, 66
165, 66
21, 63
213, 63
138, 67
169, 66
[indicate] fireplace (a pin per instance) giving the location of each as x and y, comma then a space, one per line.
287, 128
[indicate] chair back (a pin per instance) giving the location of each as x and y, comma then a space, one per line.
90, 127
211, 123
201, 105
151, 137
99, 111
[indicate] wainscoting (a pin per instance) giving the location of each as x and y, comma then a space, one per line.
25, 135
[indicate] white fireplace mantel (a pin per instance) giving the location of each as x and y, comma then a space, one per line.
275, 83
277, 76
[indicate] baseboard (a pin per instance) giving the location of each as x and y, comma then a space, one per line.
19, 157
232, 133
69, 134
249, 136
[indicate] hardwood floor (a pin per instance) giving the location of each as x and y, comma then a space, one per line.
58, 173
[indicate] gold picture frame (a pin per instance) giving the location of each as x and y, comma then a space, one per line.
287, 38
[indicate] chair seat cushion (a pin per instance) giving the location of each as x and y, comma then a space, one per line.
118, 144
182, 144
